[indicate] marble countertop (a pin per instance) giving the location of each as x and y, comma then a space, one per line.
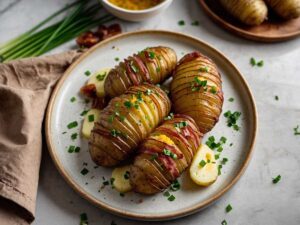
255, 199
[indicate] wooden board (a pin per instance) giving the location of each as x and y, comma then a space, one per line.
272, 30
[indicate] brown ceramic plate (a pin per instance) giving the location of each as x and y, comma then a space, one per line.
190, 198
272, 30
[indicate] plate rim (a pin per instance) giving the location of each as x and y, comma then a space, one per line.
243, 33
123, 213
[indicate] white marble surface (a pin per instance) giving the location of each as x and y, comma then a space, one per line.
255, 200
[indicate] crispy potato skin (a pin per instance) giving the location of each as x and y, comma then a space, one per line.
152, 65
153, 171
202, 103
287, 9
125, 122
249, 12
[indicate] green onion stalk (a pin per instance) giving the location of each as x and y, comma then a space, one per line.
38, 40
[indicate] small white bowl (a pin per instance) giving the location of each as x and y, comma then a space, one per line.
135, 15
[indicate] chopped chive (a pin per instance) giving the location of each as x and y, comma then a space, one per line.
91, 118
101, 77
71, 149
231, 144
213, 90
260, 63
231, 99
84, 112
77, 149
105, 183
175, 186
276, 98
202, 163
117, 59
252, 61
148, 92
84, 171
219, 169
128, 104
204, 69
224, 161
228, 208
217, 157
169, 117
72, 125
152, 55
74, 136
83, 219
87, 73
276, 179
224, 222
169, 153
73, 99
296, 131
181, 23
157, 69
171, 198
64, 132
232, 119
154, 156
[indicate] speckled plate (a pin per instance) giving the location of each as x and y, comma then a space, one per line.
190, 198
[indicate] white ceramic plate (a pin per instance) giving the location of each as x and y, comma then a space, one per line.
190, 198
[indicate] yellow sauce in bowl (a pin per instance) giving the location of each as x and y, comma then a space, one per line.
135, 4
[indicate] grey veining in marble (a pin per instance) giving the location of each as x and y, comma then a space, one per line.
255, 200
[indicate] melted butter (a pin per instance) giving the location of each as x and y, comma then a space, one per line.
135, 4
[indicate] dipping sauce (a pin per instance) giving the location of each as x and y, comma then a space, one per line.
135, 4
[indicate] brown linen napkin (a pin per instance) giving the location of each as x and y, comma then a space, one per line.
25, 87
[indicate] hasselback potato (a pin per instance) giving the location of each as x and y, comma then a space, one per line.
196, 90
165, 154
249, 12
125, 122
152, 65
287, 9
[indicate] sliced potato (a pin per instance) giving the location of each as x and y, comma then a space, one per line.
204, 170
287, 9
121, 179
89, 120
98, 80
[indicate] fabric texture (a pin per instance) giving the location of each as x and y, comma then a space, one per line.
25, 87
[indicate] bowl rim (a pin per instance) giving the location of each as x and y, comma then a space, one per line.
143, 11
123, 213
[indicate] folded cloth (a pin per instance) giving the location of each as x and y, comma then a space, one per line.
25, 87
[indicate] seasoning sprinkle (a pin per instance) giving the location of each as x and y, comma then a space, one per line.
84, 171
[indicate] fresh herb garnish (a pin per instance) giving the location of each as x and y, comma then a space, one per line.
276, 179
151, 55
212, 144
169, 153
217, 157
224, 161
154, 156
71, 149
195, 23
77, 149
100, 76
276, 98
213, 90
232, 119
254, 63
296, 131
115, 133
126, 175
181, 23
224, 222
72, 125
175, 186
84, 112
105, 183
228, 208
169, 117
204, 69
197, 84
87, 73
128, 104
117, 59
91, 118
73, 99
74, 136
231, 99
219, 169
84, 171
83, 219
202, 163
181, 124
167, 194
171, 198
158, 69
